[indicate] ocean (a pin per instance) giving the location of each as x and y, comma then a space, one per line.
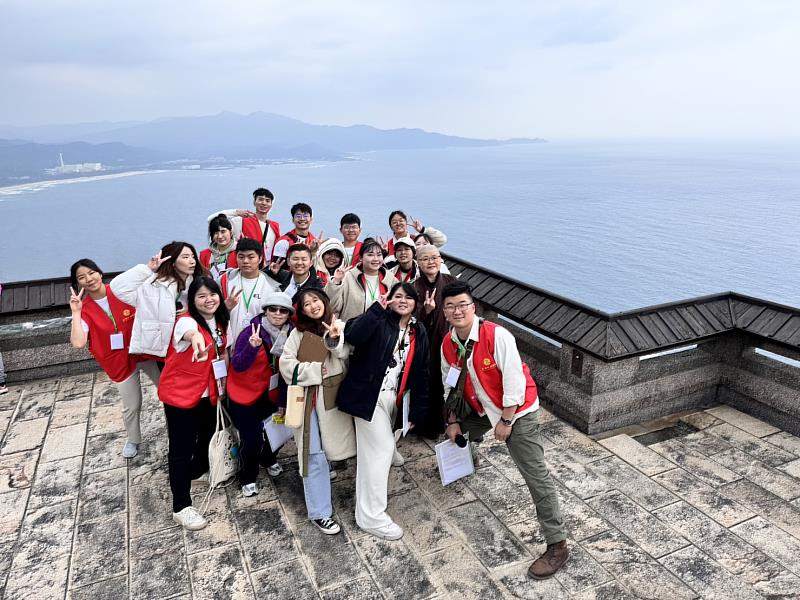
615, 225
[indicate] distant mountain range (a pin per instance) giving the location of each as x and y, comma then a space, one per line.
27, 151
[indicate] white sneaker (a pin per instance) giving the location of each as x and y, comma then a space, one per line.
202, 479
392, 531
3, 390
397, 459
130, 450
249, 489
189, 519
333, 474
327, 526
274, 470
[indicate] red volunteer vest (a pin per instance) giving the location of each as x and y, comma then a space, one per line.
412, 346
117, 364
293, 238
230, 261
489, 376
247, 386
252, 229
356, 253
182, 381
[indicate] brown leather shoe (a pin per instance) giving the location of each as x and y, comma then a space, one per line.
551, 561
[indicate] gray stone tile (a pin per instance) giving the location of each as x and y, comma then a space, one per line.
150, 509
704, 497
285, 581
106, 419
492, 542
35, 406
158, 565
581, 446
103, 493
425, 528
772, 541
17, 470
530, 534
413, 448
152, 454
515, 578
636, 454
289, 487
46, 534
785, 441
509, 502
497, 456
783, 585
360, 589
639, 488
705, 443
12, 510
461, 575
75, 388
106, 393
110, 589
5, 421
735, 555
64, 442
24, 435
697, 464
153, 475
792, 468
104, 452
581, 571
400, 481
221, 528
575, 476
706, 576
426, 473
636, 570
767, 505
331, 559
700, 420
343, 496
608, 591
220, 573
101, 550
396, 569
10, 400
45, 580
581, 520
639, 525
773, 480
70, 412
759, 448
56, 482
742, 421
265, 535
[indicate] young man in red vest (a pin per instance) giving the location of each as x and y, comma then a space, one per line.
255, 225
498, 392
350, 228
302, 216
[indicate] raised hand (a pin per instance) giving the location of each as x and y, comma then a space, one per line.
338, 274
333, 328
156, 261
233, 299
314, 246
276, 265
416, 224
255, 335
75, 300
244, 213
383, 300
430, 302
199, 349
382, 242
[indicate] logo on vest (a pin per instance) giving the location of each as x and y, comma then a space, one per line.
488, 364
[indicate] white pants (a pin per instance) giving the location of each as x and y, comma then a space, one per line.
375, 448
131, 392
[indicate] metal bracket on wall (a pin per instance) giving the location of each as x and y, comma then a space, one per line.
577, 363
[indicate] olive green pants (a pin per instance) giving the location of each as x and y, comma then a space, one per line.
526, 450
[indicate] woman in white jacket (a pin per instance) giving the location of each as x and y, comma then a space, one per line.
158, 291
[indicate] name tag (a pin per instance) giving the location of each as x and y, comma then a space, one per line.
117, 341
220, 368
273, 381
452, 376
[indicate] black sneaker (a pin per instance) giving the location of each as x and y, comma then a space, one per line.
327, 526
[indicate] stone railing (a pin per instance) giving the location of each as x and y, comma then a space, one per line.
597, 370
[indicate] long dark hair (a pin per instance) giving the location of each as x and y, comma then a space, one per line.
306, 323
167, 272
222, 316
73, 271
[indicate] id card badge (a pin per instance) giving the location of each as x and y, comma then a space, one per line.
452, 376
220, 368
117, 341
273, 381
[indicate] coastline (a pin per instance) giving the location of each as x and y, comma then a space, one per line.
36, 186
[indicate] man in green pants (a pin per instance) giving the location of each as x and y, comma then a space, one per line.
497, 390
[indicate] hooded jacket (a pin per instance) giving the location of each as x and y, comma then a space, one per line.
348, 298
319, 264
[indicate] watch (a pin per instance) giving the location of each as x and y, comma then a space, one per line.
506, 421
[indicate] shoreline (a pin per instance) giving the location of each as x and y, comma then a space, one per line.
34, 186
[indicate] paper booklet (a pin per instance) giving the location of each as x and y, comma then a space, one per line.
277, 433
454, 462
312, 348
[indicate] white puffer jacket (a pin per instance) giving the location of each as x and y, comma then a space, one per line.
154, 301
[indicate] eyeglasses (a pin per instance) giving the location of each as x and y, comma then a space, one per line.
301, 215
425, 259
278, 309
350, 227
462, 308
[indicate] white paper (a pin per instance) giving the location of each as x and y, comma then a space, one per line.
273, 381
406, 410
117, 341
220, 368
277, 433
452, 376
454, 462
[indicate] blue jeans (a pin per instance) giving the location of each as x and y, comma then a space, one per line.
317, 486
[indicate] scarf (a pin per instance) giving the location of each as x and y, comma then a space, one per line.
278, 336
219, 257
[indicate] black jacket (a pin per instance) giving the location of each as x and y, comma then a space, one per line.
284, 278
373, 336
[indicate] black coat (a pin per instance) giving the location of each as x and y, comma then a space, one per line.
284, 278
373, 336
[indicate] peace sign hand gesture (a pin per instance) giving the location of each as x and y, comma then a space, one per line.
233, 299
75, 300
339, 274
156, 261
255, 335
199, 349
430, 302
334, 331
417, 225
276, 265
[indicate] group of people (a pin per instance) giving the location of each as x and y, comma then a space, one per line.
349, 331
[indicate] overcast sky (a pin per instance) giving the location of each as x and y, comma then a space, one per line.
554, 68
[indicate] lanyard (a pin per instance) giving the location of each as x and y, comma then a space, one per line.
247, 299
461, 349
217, 336
113, 320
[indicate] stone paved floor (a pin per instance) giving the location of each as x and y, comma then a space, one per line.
715, 514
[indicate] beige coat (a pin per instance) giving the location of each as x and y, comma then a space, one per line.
348, 298
336, 428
